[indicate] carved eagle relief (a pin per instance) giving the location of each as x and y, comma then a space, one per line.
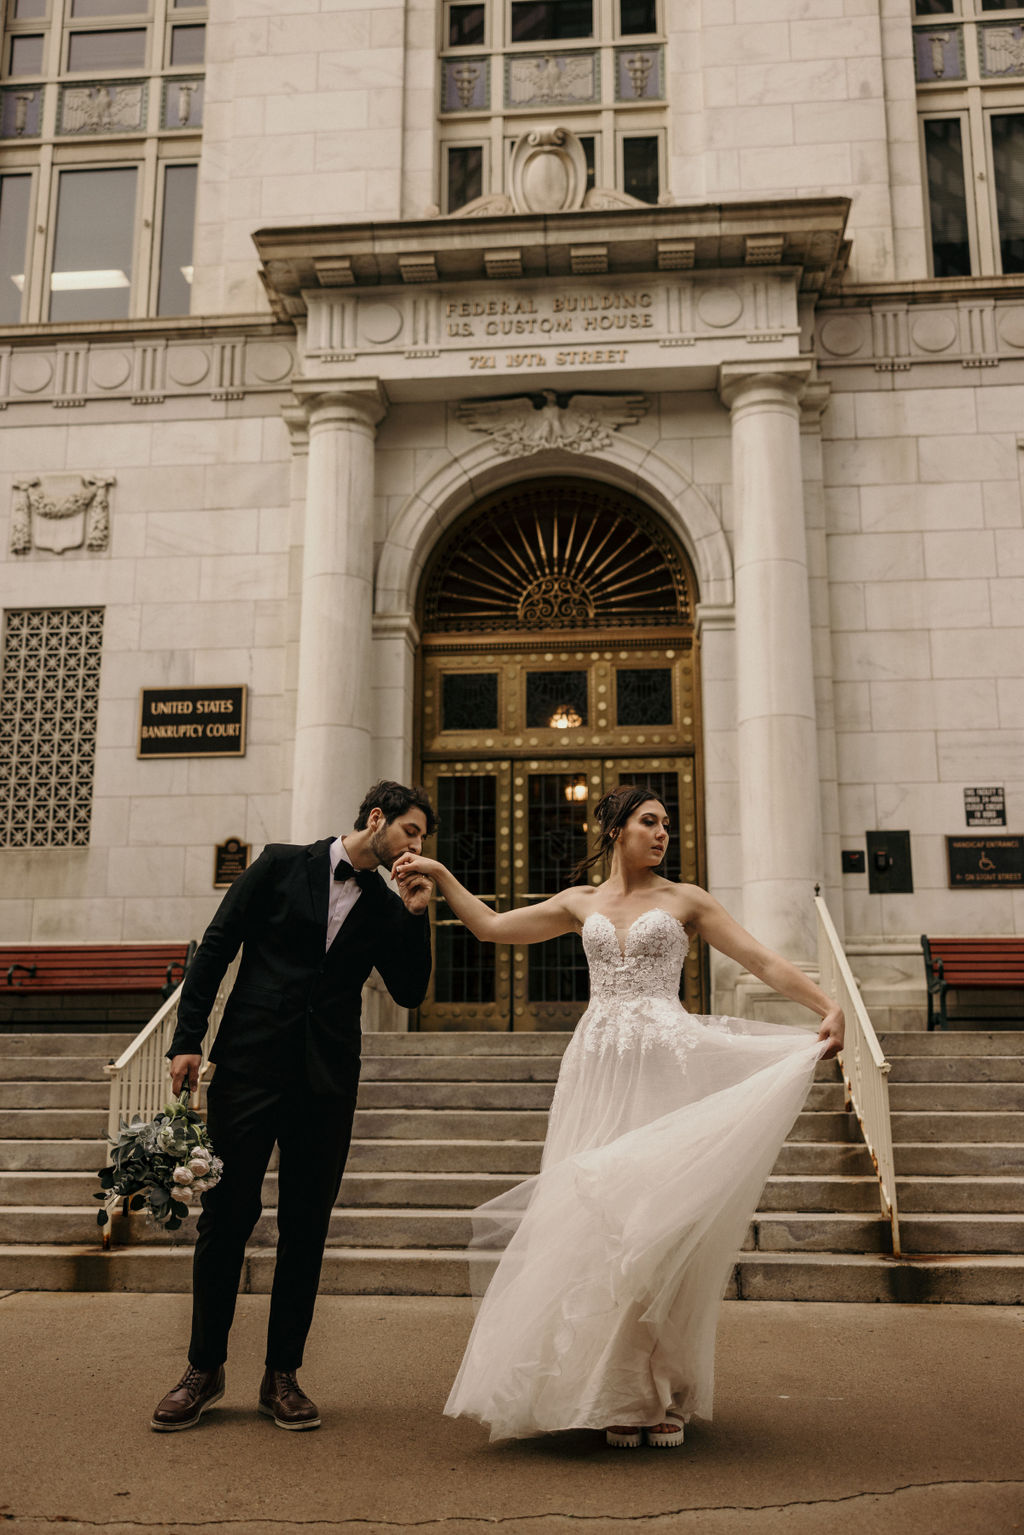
538, 423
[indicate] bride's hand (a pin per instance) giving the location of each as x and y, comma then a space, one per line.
832, 1030
414, 877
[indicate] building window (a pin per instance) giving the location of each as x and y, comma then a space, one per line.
108, 236
969, 60
598, 66
50, 695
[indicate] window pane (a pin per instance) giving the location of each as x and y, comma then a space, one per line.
92, 257
91, 51
643, 695
87, 10
1008, 166
469, 701
640, 168
466, 26
556, 700
557, 841
27, 55
176, 239
465, 175
539, 21
1000, 5
466, 844
184, 5
188, 45
947, 200
934, 7
637, 16
14, 198
29, 10
588, 143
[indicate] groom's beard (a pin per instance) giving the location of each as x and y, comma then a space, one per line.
380, 850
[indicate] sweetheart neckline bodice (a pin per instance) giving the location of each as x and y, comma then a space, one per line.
624, 947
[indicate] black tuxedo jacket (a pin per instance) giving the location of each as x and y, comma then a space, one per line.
292, 995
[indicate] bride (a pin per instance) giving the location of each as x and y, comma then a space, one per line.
663, 1129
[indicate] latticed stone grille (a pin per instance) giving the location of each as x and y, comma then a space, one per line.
50, 693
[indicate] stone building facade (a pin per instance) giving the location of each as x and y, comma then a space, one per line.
552, 394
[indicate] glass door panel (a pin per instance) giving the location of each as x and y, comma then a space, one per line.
469, 986
553, 814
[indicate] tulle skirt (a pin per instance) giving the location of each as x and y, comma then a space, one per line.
612, 1261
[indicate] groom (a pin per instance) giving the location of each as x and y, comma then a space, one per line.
312, 923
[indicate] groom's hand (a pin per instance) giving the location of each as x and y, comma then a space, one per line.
415, 891
183, 1066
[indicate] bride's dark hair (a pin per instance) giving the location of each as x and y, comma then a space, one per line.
611, 815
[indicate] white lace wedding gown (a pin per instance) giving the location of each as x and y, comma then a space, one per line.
614, 1258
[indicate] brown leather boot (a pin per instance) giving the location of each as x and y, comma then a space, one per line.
186, 1402
283, 1399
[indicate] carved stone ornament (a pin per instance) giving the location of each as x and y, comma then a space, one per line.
583, 425
42, 518
547, 174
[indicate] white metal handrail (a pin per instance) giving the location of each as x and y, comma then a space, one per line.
863, 1063
139, 1085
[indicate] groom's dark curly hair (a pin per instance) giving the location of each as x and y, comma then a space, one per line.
394, 799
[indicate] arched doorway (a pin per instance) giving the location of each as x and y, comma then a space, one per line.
557, 660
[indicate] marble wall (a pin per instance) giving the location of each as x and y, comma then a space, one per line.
329, 113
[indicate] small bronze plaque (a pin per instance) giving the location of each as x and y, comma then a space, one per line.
230, 859
192, 722
985, 860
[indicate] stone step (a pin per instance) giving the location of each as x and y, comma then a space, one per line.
103, 1045
488, 1124
955, 1097
974, 1280
982, 1279
54, 1095
956, 1068
53, 1068
912, 1097
55, 1155
55, 1124
479, 1042
994, 1159
445, 1229
455, 1068
952, 1042
770, 1231
981, 1097
482, 1068
974, 1126
520, 1158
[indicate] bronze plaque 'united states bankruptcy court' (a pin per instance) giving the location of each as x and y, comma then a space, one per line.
192, 722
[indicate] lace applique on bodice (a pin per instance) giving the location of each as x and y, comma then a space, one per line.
650, 963
634, 991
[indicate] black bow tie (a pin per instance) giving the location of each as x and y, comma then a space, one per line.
346, 871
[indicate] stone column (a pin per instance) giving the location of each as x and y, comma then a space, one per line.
333, 711
780, 822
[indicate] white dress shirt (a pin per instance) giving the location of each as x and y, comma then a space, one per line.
344, 893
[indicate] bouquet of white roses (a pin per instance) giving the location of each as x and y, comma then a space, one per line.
160, 1165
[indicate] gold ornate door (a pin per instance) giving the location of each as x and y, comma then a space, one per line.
522, 732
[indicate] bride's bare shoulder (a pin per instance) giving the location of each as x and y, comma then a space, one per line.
691, 902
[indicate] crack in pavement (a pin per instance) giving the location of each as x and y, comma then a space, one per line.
269, 1525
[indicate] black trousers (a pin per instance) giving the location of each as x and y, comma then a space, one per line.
246, 1118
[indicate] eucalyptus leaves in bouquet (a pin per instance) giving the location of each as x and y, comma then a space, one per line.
160, 1165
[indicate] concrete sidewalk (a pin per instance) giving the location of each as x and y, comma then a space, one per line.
829, 1418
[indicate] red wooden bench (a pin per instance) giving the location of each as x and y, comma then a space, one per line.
969, 964
34, 968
